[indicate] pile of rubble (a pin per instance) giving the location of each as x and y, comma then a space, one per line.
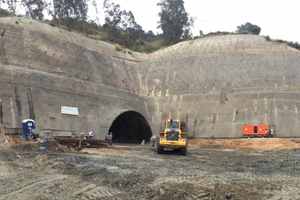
5, 141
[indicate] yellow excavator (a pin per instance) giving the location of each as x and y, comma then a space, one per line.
172, 138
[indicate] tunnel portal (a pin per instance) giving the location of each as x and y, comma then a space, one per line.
130, 127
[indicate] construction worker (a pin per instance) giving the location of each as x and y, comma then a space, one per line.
91, 134
272, 133
106, 137
73, 136
109, 137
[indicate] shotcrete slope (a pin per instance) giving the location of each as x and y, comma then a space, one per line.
44, 68
218, 84
214, 84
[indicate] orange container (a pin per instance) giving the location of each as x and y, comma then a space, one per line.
256, 130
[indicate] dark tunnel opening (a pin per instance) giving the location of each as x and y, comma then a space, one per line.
130, 127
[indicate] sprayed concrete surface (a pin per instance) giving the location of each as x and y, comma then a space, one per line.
211, 170
215, 84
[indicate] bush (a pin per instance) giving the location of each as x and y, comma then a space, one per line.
295, 45
5, 13
118, 47
140, 42
244, 32
268, 38
52, 24
17, 22
92, 37
280, 41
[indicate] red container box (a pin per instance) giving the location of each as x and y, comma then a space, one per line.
255, 130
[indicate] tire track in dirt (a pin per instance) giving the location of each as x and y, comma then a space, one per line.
192, 177
65, 189
199, 182
84, 189
4, 169
26, 192
202, 181
93, 191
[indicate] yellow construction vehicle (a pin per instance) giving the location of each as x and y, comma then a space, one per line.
172, 137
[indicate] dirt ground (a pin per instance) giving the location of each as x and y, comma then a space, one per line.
265, 168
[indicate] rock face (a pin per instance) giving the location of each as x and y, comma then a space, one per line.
215, 85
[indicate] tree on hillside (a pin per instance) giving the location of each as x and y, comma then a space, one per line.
173, 21
62, 10
12, 5
50, 7
81, 10
116, 19
5, 13
69, 10
113, 16
34, 8
248, 28
134, 30
188, 31
2, 1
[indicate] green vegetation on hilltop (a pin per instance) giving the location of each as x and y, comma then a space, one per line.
5, 13
120, 27
248, 28
145, 42
295, 45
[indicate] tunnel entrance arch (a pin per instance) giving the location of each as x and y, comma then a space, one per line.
130, 127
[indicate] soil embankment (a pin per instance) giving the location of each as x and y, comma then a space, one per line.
251, 143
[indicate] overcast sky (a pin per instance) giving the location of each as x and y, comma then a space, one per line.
278, 19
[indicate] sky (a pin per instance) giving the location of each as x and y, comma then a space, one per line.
277, 19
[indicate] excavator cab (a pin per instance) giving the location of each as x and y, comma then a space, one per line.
172, 124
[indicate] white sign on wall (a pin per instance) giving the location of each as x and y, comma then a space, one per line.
69, 110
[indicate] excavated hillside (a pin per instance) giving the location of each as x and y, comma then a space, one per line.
215, 84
